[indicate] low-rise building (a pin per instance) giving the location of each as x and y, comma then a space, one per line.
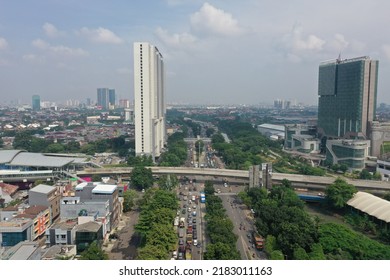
62, 233
15, 230
48, 196
352, 153
25, 250
60, 252
87, 233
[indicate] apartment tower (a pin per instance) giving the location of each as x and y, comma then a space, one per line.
149, 106
347, 92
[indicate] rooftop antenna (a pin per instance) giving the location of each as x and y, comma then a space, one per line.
339, 58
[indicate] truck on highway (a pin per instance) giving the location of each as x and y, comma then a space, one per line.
258, 240
176, 222
181, 232
188, 255
182, 222
189, 238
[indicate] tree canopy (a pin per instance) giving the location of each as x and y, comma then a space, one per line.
93, 252
338, 193
141, 177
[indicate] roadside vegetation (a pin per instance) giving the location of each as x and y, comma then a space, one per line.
155, 226
291, 233
222, 245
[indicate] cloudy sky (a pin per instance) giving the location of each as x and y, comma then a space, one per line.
215, 52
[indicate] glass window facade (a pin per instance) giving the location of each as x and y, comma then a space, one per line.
345, 96
13, 238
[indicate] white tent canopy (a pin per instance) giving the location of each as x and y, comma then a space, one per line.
372, 205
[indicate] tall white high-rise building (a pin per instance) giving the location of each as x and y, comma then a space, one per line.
149, 105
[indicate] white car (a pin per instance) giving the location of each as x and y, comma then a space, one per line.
195, 242
174, 255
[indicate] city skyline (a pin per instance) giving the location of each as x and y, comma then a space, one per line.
216, 52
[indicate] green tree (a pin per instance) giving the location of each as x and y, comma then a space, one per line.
129, 199
338, 193
387, 196
317, 253
270, 244
72, 147
140, 161
55, 148
300, 254
168, 182
93, 252
277, 255
217, 138
221, 251
152, 252
210, 131
141, 177
365, 175
96, 178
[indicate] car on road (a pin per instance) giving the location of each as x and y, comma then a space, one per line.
194, 221
181, 242
181, 256
194, 206
195, 242
194, 226
194, 213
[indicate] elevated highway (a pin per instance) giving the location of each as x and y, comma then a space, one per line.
297, 180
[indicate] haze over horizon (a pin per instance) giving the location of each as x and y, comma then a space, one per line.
215, 52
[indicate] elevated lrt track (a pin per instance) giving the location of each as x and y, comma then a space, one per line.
298, 181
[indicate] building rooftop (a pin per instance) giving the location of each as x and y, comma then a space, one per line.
41, 188
9, 189
372, 205
89, 227
7, 156
58, 251
65, 225
104, 189
22, 251
272, 126
35, 209
80, 186
36, 159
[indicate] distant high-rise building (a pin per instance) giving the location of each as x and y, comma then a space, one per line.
281, 104
347, 92
111, 98
102, 98
36, 102
149, 107
124, 103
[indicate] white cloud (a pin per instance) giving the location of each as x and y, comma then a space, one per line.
59, 49
212, 20
40, 44
175, 40
3, 44
339, 43
386, 50
100, 35
295, 42
33, 58
50, 30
